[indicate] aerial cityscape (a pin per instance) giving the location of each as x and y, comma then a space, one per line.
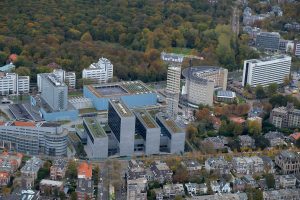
150, 100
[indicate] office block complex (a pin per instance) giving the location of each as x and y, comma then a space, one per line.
285, 117
268, 41
122, 123
12, 83
147, 127
34, 138
201, 83
97, 140
173, 139
134, 94
101, 72
266, 70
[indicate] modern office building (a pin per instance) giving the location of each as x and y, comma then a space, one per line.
12, 83
285, 117
173, 137
268, 41
201, 83
266, 70
150, 131
34, 138
135, 94
97, 140
54, 92
52, 104
101, 72
122, 124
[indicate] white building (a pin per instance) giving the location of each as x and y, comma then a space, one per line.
12, 83
266, 70
67, 77
102, 71
297, 48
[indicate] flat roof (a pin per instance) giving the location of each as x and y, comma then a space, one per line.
198, 73
119, 88
146, 118
226, 94
121, 108
268, 58
94, 127
170, 124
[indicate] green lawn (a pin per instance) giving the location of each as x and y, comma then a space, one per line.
87, 110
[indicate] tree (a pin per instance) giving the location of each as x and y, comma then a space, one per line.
86, 37
238, 129
260, 92
180, 175
178, 197
62, 195
191, 131
73, 196
202, 114
254, 194
254, 127
261, 142
270, 181
71, 170
23, 71
272, 89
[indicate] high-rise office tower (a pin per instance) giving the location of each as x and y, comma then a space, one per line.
173, 82
122, 123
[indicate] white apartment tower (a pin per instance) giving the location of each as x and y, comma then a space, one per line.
102, 71
67, 77
12, 83
173, 82
266, 70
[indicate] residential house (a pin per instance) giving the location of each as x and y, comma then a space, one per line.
247, 165
4, 178
136, 170
288, 162
246, 141
58, 169
225, 196
196, 189
275, 138
10, 162
50, 187
137, 189
161, 172
172, 190
269, 166
250, 181
238, 185
225, 187
281, 194
215, 186
29, 171
294, 137
216, 142
218, 164
84, 187
192, 166
24, 195
203, 188
287, 181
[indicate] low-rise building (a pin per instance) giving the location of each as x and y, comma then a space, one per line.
294, 137
285, 117
58, 169
136, 170
246, 141
215, 142
84, 189
250, 181
226, 96
29, 171
4, 178
238, 185
137, 189
275, 138
281, 194
288, 162
225, 196
192, 166
161, 172
172, 190
218, 164
50, 187
196, 189
247, 165
287, 181
10, 162
269, 166
24, 194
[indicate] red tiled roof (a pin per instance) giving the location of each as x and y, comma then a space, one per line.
19, 123
295, 136
238, 120
85, 170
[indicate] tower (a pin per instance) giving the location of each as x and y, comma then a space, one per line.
174, 62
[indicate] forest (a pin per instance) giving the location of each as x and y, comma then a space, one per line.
131, 33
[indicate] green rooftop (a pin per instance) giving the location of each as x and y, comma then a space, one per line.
94, 127
147, 119
170, 124
135, 87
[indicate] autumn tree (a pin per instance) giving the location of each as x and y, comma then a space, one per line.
254, 127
